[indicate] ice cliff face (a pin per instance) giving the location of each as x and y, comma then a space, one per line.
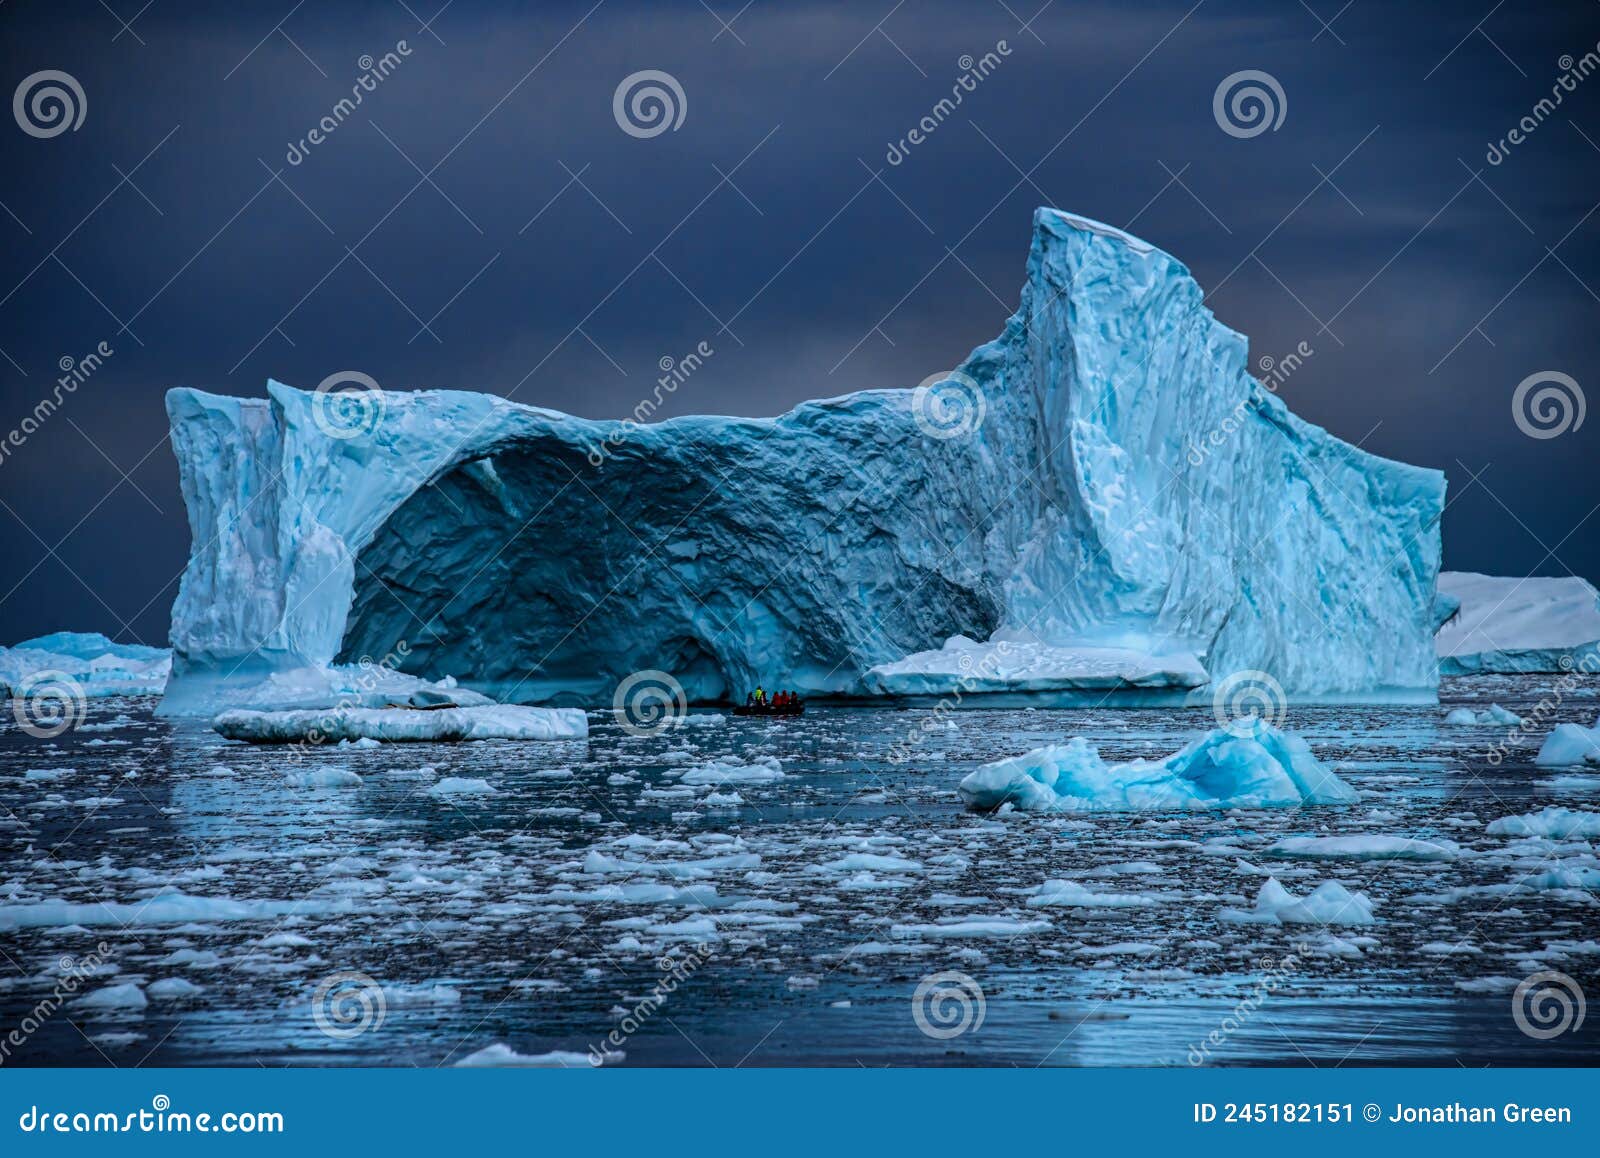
1123, 483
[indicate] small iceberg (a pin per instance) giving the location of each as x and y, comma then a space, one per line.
1250, 765
1330, 903
96, 666
1555, 822
404, 725
1569, 745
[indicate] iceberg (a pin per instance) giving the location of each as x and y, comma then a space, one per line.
94, 663
1569, 745
1330, 903
1104, 485
1554, 822
1497, 624
1250, 765
400, 725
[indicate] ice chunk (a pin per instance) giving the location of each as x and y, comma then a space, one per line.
324, 778
1330, 903
126, 996
1570, 744
163, 909
462, 786
486, 722
1559, 823
1518, 625
1252, 765
500, 1055
1364, 847
1070, 894
1494, 715
173, 989
718, 774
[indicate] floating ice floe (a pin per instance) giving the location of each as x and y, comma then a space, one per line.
717, 775
500, 1055
1251, 765
1070, 894
399, 725
1494, 715
1556, 822
126, 996
1364, 847
163, 909
462, 786
1330, 903
95, 665
1570, 744
323, 778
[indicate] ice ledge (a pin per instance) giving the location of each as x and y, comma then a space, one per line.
966, 666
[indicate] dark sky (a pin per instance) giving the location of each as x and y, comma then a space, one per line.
555, 259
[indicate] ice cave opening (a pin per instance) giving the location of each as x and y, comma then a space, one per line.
534, 577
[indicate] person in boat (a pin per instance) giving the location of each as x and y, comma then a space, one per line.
750, 699
778, 700
761, 696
